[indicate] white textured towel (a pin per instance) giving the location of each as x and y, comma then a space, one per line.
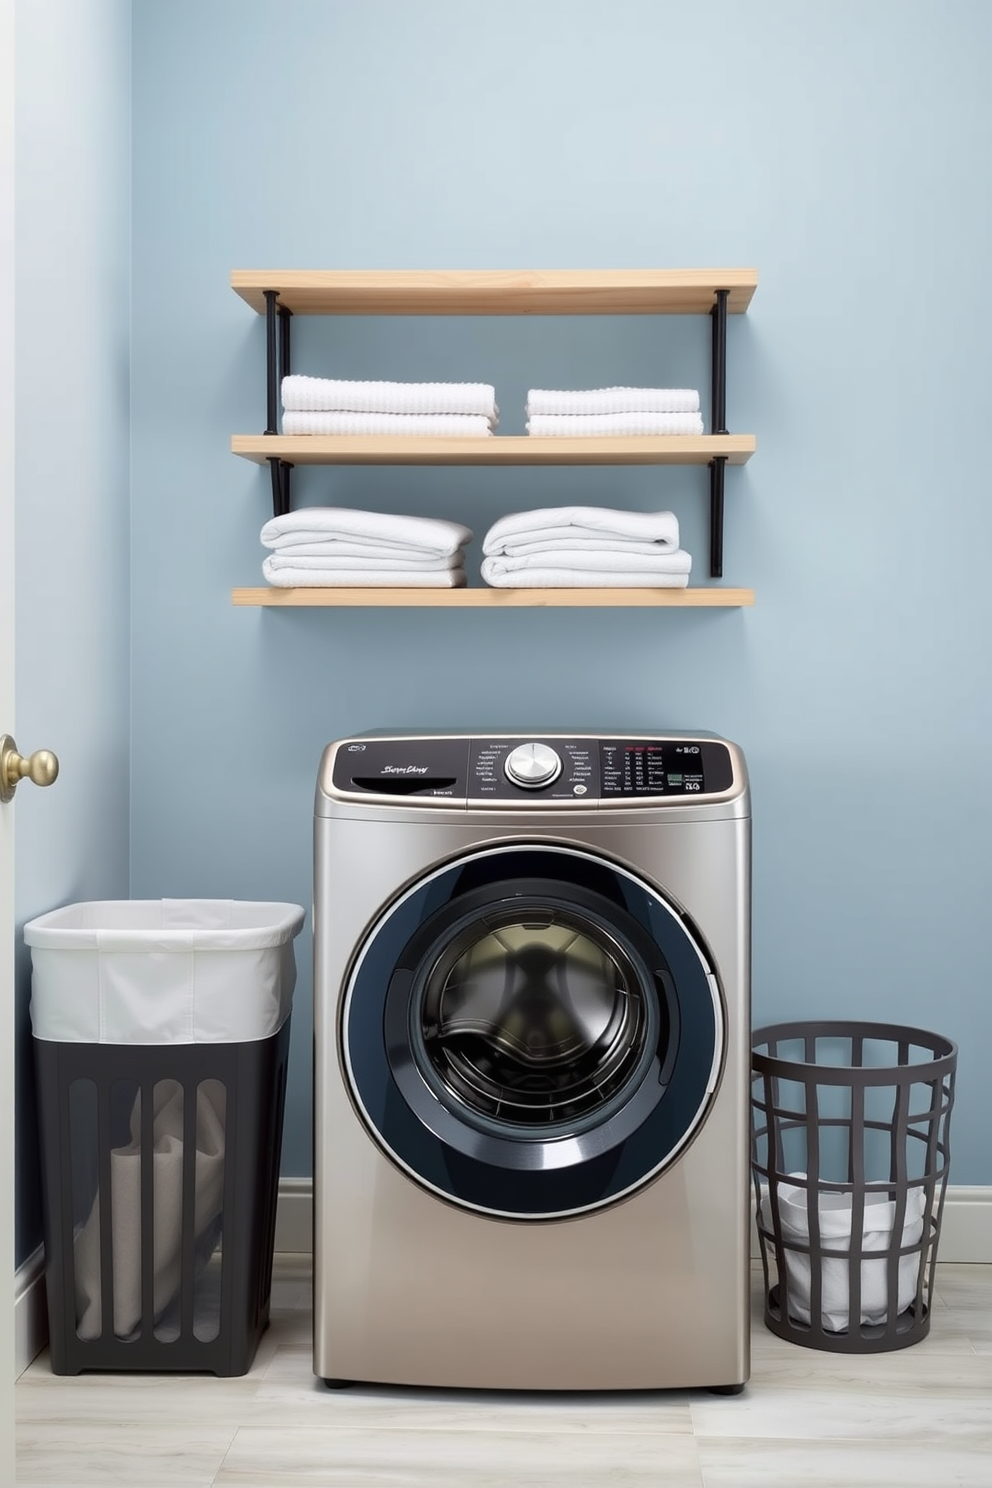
612, 400
441, 425
331, 576
316, 394
589, 544
317, 524
595, 524
575, 578
678, 562
340, 549
577, 426
382, 563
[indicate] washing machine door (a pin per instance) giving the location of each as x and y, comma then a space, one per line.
531, 1032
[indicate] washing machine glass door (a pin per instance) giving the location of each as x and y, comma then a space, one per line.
532, 1013
532, 1032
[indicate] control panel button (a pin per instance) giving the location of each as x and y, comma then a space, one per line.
532, 765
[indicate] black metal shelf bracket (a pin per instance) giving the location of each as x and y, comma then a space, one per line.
277, 366
280, 486
716, 516
718, 425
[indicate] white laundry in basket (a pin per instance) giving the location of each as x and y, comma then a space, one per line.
167, 1181
834, 1213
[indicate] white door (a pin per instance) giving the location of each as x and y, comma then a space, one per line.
65, 99
6, 726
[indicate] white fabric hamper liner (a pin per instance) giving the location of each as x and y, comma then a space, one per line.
163, 971
834, 1212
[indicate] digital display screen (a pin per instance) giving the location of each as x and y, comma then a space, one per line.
682, 767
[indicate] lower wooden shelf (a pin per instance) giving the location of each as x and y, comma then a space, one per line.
486, 598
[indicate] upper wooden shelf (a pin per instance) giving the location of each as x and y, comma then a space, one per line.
497, 292
509, 449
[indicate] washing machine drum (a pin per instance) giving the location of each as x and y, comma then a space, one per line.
532, 1032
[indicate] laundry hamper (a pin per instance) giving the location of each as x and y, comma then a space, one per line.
850, 1145
161, 1037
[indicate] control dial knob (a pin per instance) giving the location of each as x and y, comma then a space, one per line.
532, 765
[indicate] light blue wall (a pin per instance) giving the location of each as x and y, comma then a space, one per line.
842, 149
72, 313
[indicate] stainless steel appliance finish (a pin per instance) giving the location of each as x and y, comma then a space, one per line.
532, 1045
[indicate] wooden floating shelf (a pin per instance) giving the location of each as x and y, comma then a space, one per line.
497, 292
510, 449
486, 598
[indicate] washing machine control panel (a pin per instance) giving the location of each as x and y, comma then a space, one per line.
589, 771
498, 769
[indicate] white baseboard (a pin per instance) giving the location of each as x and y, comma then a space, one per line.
965, 1236
294, 1217
30, 1310
966, 1228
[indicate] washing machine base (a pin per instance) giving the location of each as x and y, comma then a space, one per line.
736, 1389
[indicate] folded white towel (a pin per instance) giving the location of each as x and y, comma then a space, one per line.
315, 394
612, 400
384, 562
441, 425
577, 578
338, 549
332, 577
588, 543
563, 523
311, 524
678, 562
574, 426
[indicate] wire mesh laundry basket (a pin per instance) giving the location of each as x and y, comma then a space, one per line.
850, 1146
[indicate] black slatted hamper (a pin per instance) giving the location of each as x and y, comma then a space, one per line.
161, 1041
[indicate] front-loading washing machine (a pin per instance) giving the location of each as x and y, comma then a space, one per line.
532, 1049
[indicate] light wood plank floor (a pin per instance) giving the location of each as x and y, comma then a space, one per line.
921, 1416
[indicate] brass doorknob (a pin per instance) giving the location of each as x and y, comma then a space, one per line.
41, 767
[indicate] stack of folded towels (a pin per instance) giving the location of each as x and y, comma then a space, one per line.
585, 547
558, 413
321, 546
330, 405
